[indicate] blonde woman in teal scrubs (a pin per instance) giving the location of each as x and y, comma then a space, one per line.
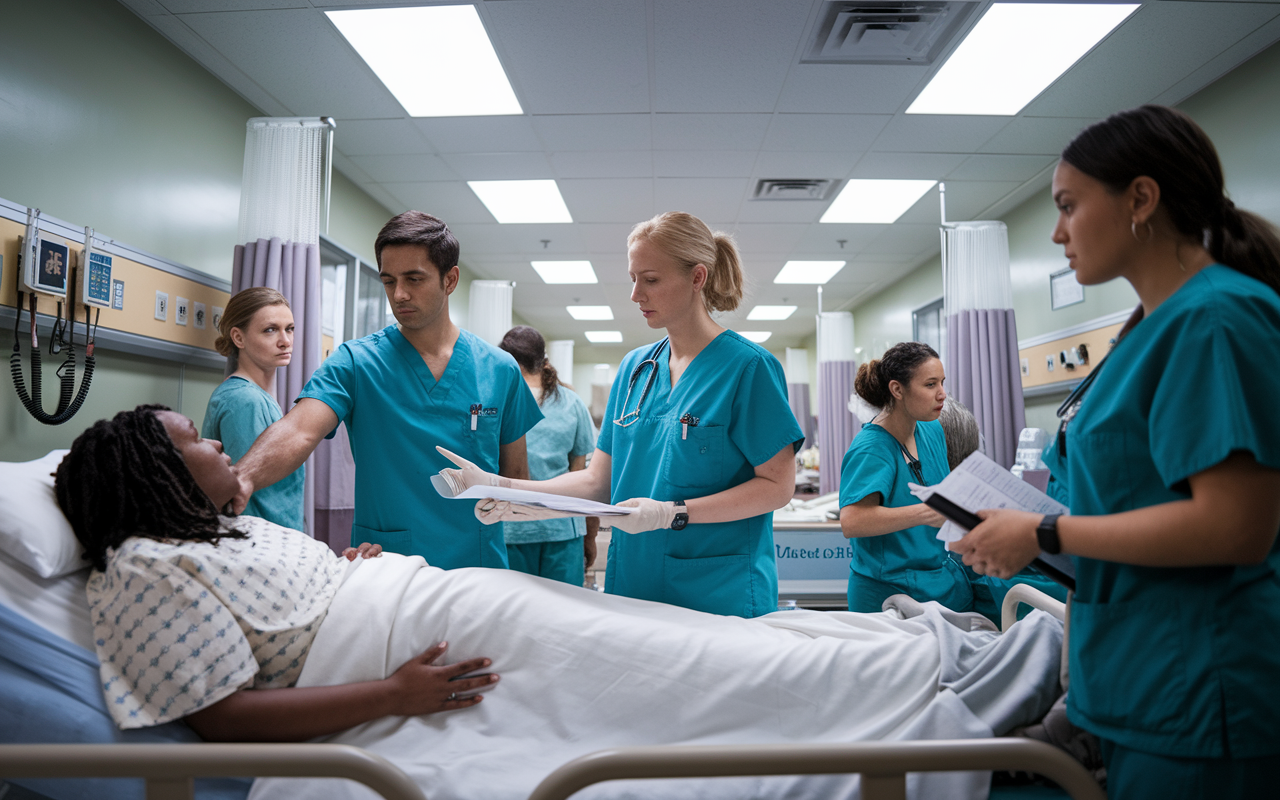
1171, 461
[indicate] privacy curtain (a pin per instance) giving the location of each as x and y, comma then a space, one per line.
982, 337
836, 369
797, 370
489, 309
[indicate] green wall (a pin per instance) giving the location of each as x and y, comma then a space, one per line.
144, 145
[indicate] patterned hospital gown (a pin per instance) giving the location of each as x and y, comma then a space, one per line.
179, 626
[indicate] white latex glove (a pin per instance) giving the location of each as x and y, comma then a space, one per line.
469, 475
490, 511
650, 515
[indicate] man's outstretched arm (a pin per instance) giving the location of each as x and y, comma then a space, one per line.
282, 448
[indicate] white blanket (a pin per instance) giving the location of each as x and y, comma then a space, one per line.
583, 671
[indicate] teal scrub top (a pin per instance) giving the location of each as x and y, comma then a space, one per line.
913, 558
396, 413
737, 392
239, 411
1183, 662
565, 432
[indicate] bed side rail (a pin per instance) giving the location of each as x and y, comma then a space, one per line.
170, 769
883, 765
1024, 593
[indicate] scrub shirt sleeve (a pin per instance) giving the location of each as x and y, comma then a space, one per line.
521, 412
865, 472
762, 421
334, 383
1203, 410
585, 431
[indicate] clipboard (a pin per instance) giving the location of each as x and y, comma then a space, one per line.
1058, 568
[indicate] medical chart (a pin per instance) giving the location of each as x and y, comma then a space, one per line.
556, 502
980, 483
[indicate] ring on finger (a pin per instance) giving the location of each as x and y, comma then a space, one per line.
453, 696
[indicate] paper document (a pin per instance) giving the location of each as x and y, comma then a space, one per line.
557, 502
980, 483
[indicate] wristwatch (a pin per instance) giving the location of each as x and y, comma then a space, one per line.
1047, 534
682, 517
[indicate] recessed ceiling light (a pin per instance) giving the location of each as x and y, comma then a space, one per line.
522, 201
771, 312
864, 200
604, 337
565, 272
589, 312
1012, 55
808, 271
436, 60
759, 337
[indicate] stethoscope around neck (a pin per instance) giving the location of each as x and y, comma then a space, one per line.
631, 417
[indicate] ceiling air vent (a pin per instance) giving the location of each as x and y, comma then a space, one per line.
793, 189
884, 32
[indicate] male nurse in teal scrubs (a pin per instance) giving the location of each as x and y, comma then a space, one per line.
401, 391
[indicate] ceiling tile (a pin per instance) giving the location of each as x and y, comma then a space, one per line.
927, 133
623, 200
451, 201
824, 132
393, 204
901, 239
379, 137
781, 211
496, 244
177, 31
703, 163
348, 167
613, 164
906, 166
752, 53
709, 131
805, 165
768, 237
513, 134
499, 166
824, 239
594, 131
405, 168
606, 237
1041, 135
705, 198
1221, 64
201, 6
1000, 168
850, 88
144, 8
574, 56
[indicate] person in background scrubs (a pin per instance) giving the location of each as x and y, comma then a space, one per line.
256, 335
698, 438
560, 549
401, 390
1171, 462
896, 549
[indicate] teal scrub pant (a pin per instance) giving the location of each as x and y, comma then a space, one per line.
560, 561
1134, 775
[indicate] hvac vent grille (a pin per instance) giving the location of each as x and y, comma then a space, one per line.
884, 32
793, 189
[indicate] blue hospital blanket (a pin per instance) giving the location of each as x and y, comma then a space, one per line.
50, 694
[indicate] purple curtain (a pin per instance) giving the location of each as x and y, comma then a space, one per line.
335, 484
836, 424
798, 398
983, 373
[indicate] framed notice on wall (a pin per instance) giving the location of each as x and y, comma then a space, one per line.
1064, 289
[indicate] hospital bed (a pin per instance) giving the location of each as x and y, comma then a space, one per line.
49, 693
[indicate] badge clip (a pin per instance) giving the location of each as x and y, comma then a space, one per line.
476, 408
686, 421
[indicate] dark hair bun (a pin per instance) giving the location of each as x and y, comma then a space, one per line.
868, 385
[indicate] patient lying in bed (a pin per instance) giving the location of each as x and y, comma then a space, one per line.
251, 631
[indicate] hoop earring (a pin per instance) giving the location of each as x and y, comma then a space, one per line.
1133, 228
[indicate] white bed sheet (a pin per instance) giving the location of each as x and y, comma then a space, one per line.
56, 604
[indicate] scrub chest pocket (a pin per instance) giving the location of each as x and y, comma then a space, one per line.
693, 459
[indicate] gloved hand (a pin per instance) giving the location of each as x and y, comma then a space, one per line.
650, 515
460, 480
490, 511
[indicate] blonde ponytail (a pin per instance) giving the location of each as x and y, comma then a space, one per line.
690, 242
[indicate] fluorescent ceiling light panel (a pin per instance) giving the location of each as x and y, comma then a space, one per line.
771, 312
759, 337
808, 271
522, 201
875, 200
590, 312
565, 272
436, 60
1012, 55
604, 337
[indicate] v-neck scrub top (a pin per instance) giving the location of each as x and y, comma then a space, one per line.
396, 413
1181, 662
737, 391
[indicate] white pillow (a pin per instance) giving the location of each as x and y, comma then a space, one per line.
32, 527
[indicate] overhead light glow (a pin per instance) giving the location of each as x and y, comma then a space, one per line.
604, 337
566, 272
436, 60
771, 312
589, 312
522, 201
1012, 55
808, 271
864, 200
759, 337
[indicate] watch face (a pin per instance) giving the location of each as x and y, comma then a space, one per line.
679, 522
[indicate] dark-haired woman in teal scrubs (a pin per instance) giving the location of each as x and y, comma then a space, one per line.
1171, 461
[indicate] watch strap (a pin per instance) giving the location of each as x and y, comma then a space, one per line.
1047, 534
681, 518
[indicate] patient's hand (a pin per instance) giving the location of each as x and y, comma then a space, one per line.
365, 550
420, 687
